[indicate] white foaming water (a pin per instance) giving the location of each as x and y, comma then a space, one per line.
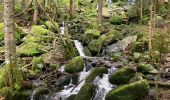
74, 89
61, 69
62, 29
103, 86
79, 48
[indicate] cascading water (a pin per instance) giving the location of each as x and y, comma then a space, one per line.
62, 29
79, 48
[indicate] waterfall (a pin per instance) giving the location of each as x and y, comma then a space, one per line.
79, 48
62, 29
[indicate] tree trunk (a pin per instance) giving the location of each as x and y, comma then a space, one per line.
71, 8
141, 9
100, 8
35, 16
9, 29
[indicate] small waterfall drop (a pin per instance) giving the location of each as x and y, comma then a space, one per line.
79, 48
62, 29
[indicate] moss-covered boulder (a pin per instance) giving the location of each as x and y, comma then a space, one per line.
122, 76
146, 69
39, 92
39, 30
75, 65
52, 26
38, 64
95, 47
86, 92
30, 49
87, 52
117, 20
134, 91
97, 71
90, 35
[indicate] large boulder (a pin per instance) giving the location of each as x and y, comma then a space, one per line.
86, 92
52, 26
75, 65
122, 76
97, 71
90, 35
134, 91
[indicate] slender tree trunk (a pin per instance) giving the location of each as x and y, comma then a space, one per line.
35, 16
9, 29
100, 8
71, 8
141, 9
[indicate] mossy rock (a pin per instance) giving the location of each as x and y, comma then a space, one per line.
22, 95
87, 52
72, 97
116, 56
38, 64
75, 65
54, 66
39, 30
146, 69
117, 35
97, 71
116, 20
136, 56
134, 91
122, 76
86, 92
95, 47
137, 77
18, 34
52, 26
30, 49
90, 35
140, 46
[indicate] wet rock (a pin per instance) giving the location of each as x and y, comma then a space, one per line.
53, 26
121, 45
90, 35
122, 76
146, 68
39, 92
75, 65
86, 92
97, 71
134, 91
62, 81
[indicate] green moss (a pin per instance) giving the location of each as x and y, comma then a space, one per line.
87, 52
136, 56
30, 49
95, 46
145, 68
116, 56
75, 65
122, 76
134, 91
137, 77
11, 76
53, 26
38, 63
54, 66
39, 30
90, 35
116, 20
86, 92
97, 71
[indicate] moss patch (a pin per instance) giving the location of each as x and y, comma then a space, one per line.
145, 68
133, 91
86, 92
95, 46
38, 64
52, 26
122, 76
96, 72
30, 49
75, 65
39, 30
